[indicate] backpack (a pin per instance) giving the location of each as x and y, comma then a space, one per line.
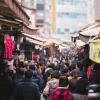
61, 94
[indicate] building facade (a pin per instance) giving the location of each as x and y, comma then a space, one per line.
72, 15
30, 8
97, 9
40, 13
67, 16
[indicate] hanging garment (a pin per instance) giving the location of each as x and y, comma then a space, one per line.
9, 47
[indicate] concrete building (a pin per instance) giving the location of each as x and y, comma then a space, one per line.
30, 8
72, 15
97, 9
67, 16
12, 17
40, 13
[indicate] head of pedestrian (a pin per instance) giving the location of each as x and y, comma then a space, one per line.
56, 63
21, 65
63, 81
63, 61
80, 65
55, 74
28, 74
48, 62
32, 67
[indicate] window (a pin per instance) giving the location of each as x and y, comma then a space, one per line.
66, 29
72, 2
59, 30
28, 4
15, 29
71, 14
40, 15
40, 6
40, 21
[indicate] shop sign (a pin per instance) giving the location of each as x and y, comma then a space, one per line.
94, 54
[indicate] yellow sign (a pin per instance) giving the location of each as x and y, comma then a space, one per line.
95, 52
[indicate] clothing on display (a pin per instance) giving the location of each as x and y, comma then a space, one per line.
9, 47
27, 48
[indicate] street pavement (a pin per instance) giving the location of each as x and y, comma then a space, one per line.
42, 97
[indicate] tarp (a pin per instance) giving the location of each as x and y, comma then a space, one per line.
34, 37
91, 32
34, 41
94, 53
80, 43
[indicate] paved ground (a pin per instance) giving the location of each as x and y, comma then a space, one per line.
42, 97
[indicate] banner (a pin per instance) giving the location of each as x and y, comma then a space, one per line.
94, 54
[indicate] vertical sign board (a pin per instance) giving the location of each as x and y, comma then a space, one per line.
94, 53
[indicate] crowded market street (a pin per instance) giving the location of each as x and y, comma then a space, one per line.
49, 49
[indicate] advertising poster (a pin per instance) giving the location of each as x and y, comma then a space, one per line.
95, 52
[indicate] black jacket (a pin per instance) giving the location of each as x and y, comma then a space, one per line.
27, 90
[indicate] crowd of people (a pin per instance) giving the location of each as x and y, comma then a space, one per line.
61, 77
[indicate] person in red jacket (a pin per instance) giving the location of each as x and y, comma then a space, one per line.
62, 92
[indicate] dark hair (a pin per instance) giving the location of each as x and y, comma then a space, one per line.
32, 67
28, 74
21, 65
55, 74
20, 71
79, 64
81, 86
3, 66
63, 81
51, 66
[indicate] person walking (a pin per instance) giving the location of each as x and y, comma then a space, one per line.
27, 90
62, 92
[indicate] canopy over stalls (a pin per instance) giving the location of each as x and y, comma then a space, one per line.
80, 43
87, 35
14, 10
34, 37
34, 41
91, 32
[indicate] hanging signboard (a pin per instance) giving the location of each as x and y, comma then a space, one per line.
94, 54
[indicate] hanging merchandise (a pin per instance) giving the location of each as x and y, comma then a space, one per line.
95, 52
9, 47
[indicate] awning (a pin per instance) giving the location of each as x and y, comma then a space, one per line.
28, 30
33, 37
55, 41
14, 10
91, 32
95, 41
75, 35
34, 41
80, 43
9, 20
91, 26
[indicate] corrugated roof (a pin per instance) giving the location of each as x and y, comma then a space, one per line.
91, 32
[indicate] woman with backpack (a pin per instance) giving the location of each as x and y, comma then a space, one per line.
62, 92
